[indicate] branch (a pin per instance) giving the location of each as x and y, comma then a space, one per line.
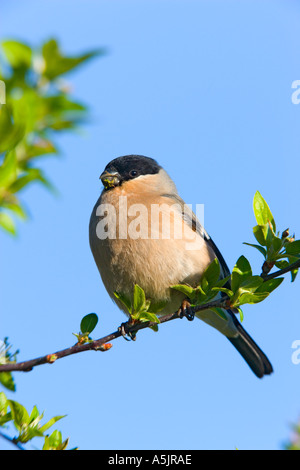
128, 328
11, 440
100, 344
291, 267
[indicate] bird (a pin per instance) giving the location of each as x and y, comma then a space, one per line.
130, 248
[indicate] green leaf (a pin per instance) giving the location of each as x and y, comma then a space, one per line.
39, 148
241, 314
294, 273
147, 316
19, 414
7, 223
259, 235
262, 211
139, 299
291, 258
124, 299
16, 208
293, 248
17, 53
46, 445
50, 423
222, 281
8, 170
250, 298
241, 271
268, 235
32, 174
64, 445
57, 64
185, 289
53, 441
251, 284
223, 289
5, 416
220, 313
258, 247
139, 310
277, 244
88, 323
29, 432
270, 285
212, 273
154, 327
6, 379
34, 414
11, 130
282, 264
3, 402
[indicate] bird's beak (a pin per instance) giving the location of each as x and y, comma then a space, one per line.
110, 180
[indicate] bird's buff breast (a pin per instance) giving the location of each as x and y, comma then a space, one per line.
154, 264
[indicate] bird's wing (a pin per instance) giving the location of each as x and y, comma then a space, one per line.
194, 222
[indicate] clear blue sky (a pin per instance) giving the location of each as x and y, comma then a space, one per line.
205, 88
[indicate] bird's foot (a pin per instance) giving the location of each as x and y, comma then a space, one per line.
128, 335
186, 310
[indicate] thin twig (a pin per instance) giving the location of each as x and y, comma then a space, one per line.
130, 329
11, 440
291, 267
97, 345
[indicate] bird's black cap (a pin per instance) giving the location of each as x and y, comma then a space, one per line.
132, 166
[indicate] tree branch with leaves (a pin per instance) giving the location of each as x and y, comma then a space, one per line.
245, 288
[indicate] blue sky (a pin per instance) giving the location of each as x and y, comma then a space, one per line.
204, 87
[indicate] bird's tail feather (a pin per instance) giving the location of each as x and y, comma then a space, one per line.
253, 355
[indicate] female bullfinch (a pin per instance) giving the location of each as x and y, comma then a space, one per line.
142, 232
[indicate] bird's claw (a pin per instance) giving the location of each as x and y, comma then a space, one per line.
129, 336
186, 310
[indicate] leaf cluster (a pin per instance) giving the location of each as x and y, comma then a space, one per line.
208, 288
28, 425
247, 288
38, 106
277, 248
139, 308
242, 287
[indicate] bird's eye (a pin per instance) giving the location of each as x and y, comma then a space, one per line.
133, 173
